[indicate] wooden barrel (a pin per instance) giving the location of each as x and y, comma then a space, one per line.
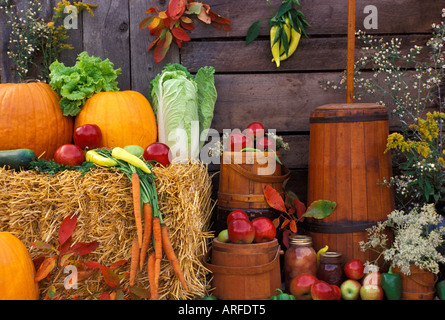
244, 271
241, 180
419, 285
346, 163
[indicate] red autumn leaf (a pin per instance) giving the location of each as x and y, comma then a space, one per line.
176, 8
218, 19
105, 296
204, 14
45, 268
118, 264
286, 234
152, 10
180, 34
66, 228
300, 208
285, 223
82, 275
83, 248
111, 278
65, 247
179, 43
153, 43
273, 198
93, 265
42, 245
64, 259
276, 222
168, 39
187, 26
293, 226
160, 51
38, 261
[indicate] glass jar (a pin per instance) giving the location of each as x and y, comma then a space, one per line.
330, 268
299, 258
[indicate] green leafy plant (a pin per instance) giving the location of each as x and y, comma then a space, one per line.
293, 210
418, 234
76, 84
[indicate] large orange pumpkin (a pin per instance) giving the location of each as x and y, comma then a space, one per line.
124, 117
16, 270
31, 118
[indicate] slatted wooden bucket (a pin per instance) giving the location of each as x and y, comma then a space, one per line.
346, 163
244, 271
241, 180
419, 285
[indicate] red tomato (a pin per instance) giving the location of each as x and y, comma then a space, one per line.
159, 152
69, 155
255, 130
88, 136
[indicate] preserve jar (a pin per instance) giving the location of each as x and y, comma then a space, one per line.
300, 257
330, 268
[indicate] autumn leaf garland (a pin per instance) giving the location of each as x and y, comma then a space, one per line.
172, 24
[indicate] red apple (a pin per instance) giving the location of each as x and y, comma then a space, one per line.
266, 144
350, 289
255, 130
88, 136
354, 269
69, 155
372, 278
337, 292
241, 231
237, 214
300, 286
264, 229
371, 292
238, 141
321, 290
158, 152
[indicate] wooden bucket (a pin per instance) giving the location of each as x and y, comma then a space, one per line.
244, 271
346, 163
241, 180
419, 285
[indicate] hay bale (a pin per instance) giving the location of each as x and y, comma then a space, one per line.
32, 206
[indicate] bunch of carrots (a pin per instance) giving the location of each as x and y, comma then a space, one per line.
149, 223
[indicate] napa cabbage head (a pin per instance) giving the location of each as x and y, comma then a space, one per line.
184, 107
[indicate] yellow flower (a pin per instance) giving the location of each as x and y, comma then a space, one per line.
51, 25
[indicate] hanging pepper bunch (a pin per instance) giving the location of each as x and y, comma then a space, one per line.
286, 27
172, 24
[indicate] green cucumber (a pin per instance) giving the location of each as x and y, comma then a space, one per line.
17, 159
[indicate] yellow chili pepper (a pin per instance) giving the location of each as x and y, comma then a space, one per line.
126, 156
94, 157
275, 47
294, 41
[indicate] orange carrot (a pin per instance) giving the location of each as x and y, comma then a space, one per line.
136, 188
151, 276
148, 217
134, 261
157, 237
170, 253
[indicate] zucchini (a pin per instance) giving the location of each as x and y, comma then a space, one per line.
17, 159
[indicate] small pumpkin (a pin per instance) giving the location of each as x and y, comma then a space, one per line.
124, 117
16, 270
31, 118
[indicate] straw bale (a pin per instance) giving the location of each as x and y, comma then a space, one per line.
32, 206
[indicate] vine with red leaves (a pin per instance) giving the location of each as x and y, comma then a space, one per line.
172, 24
65, 255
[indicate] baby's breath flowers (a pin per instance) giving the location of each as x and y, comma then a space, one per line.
31, 36
418, 234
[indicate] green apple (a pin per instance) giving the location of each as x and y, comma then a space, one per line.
135, 150
350, 289
223, 236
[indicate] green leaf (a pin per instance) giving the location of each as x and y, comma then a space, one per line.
320, 209
194, 8
253, 32
284, 7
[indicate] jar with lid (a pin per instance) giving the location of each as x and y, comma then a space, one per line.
300, 257
330, 268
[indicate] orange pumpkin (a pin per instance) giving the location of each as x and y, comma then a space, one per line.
31, 118
16, 270
124, 117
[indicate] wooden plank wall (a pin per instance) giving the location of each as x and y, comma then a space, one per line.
250, 88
